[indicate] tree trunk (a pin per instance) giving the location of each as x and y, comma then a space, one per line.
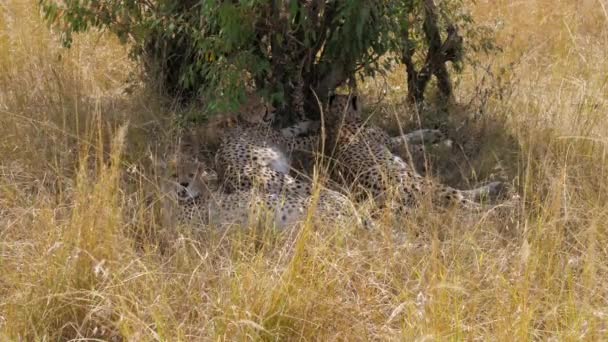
438, 54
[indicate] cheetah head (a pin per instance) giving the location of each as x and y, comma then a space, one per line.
190, 181
256, 110
342, 108
185, 180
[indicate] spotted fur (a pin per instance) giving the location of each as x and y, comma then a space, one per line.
193, 200
363, 158
253, 154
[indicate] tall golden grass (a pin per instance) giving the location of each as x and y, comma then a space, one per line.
83, 255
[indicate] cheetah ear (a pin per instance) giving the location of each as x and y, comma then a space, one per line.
268, 115
332, 97
353, 102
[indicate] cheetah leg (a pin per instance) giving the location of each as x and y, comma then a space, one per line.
302, 127
490, 191
296, 142
418, 137
471, 199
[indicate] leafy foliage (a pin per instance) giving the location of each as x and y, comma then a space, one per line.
289, 51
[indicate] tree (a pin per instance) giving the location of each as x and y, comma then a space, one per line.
294, 52
438, 54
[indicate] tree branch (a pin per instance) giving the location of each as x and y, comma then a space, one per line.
438, 54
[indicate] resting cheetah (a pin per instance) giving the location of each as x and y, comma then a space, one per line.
255, 154
364, 159
193, 200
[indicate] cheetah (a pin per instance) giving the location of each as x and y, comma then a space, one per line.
192, 199
362, 157
255, 154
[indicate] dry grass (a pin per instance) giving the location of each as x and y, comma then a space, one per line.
82, 255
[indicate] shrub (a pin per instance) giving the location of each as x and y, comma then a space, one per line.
292, 52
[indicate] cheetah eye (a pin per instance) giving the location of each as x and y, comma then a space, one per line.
191, 175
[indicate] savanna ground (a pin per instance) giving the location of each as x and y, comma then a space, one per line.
83, 253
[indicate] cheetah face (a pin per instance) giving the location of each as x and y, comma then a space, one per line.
187, 180
257, 110
187, 187
343, 107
